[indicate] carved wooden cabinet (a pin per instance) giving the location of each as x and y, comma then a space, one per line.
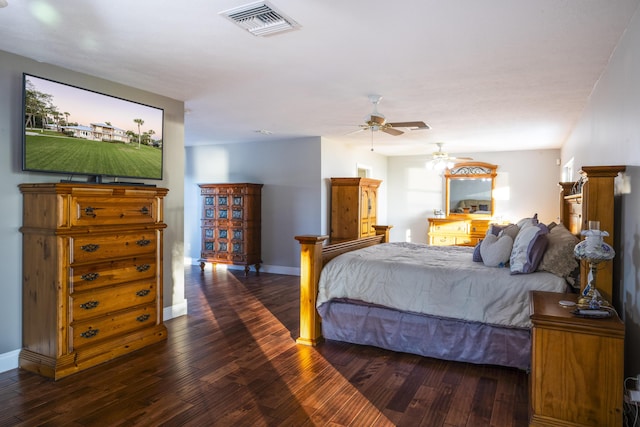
92, 274
231, 224
577, 366
457, 231
354, 208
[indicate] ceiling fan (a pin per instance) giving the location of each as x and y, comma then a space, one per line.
441, 160
377, 122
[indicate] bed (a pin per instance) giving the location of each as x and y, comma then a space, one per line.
473, 313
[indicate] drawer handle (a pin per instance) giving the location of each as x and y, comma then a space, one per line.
90, 277
89, 211
143, 292
89, 305
90, 333
443, 239
143, 267
90, 247
143, 242
143, 318
144, 210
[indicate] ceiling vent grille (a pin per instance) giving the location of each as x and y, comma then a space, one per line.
260, 19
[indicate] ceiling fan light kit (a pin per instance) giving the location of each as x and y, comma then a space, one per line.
441, 160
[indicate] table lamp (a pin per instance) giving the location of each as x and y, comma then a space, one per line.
593, 250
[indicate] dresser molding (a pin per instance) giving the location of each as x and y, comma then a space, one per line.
92, 274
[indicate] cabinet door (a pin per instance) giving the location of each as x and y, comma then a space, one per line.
367, 211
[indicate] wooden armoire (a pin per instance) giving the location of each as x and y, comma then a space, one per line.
353, 208
231, 224
92, 274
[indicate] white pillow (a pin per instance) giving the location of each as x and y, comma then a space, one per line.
495, 251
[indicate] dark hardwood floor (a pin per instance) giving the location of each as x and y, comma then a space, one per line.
233, 361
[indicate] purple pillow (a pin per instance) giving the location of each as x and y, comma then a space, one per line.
528, 249
476, 253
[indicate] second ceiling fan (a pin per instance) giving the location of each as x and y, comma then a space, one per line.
377, 121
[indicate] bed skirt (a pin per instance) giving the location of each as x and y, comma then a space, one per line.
437, 337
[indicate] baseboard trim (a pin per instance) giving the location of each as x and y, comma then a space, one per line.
175, 310
266, 268
9, 360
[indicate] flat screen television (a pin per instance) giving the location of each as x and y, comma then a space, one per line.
79, 132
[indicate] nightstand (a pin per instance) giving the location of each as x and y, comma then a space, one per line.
577, 365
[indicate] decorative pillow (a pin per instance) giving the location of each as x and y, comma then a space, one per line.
496, 229
528, 221
528, 249
510, 230
559, 258
483, 207
477, 256
495, 250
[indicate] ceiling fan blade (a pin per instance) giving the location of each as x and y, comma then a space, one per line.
362, 129
391, 131
376, 119
415, 125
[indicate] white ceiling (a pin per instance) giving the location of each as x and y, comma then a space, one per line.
484, 74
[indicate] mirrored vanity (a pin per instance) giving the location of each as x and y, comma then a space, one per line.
469, 205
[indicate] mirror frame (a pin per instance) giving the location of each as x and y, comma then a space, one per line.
468, 170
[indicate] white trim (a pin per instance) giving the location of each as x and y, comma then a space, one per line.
175, 310
9, 360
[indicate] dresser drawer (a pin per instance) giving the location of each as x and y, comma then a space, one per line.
436, 240
86, 277
92, 248
479, 227
86, 211
97, 329
451, 227
85, 305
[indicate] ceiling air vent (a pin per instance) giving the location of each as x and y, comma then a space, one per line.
260, 19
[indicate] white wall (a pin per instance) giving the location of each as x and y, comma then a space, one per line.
11, 69
342, 161
527, 183
295, 174
291, 202
609, 134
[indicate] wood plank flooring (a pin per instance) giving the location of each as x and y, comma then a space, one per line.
233, 361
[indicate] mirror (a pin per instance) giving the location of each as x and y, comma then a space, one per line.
469, 189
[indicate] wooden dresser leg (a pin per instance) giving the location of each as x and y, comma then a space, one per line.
202, 264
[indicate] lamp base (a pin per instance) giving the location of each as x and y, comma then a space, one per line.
592, 299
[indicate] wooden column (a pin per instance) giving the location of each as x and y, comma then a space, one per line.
598, 202
310, 267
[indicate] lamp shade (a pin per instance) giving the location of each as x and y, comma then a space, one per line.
593, 248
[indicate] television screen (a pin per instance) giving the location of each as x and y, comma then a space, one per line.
75, 131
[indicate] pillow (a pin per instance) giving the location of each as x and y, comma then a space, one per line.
495, 251
483, 207
528, 249
510, 229
528, 221
477, 257
559, 258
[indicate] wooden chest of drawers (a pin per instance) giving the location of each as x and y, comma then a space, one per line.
92, 274
460, 232
231, 224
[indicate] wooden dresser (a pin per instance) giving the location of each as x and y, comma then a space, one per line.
577, 366
231, 224
354, 208
92, 274
460, 232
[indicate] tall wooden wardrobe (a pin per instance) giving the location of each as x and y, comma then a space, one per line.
353, 208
